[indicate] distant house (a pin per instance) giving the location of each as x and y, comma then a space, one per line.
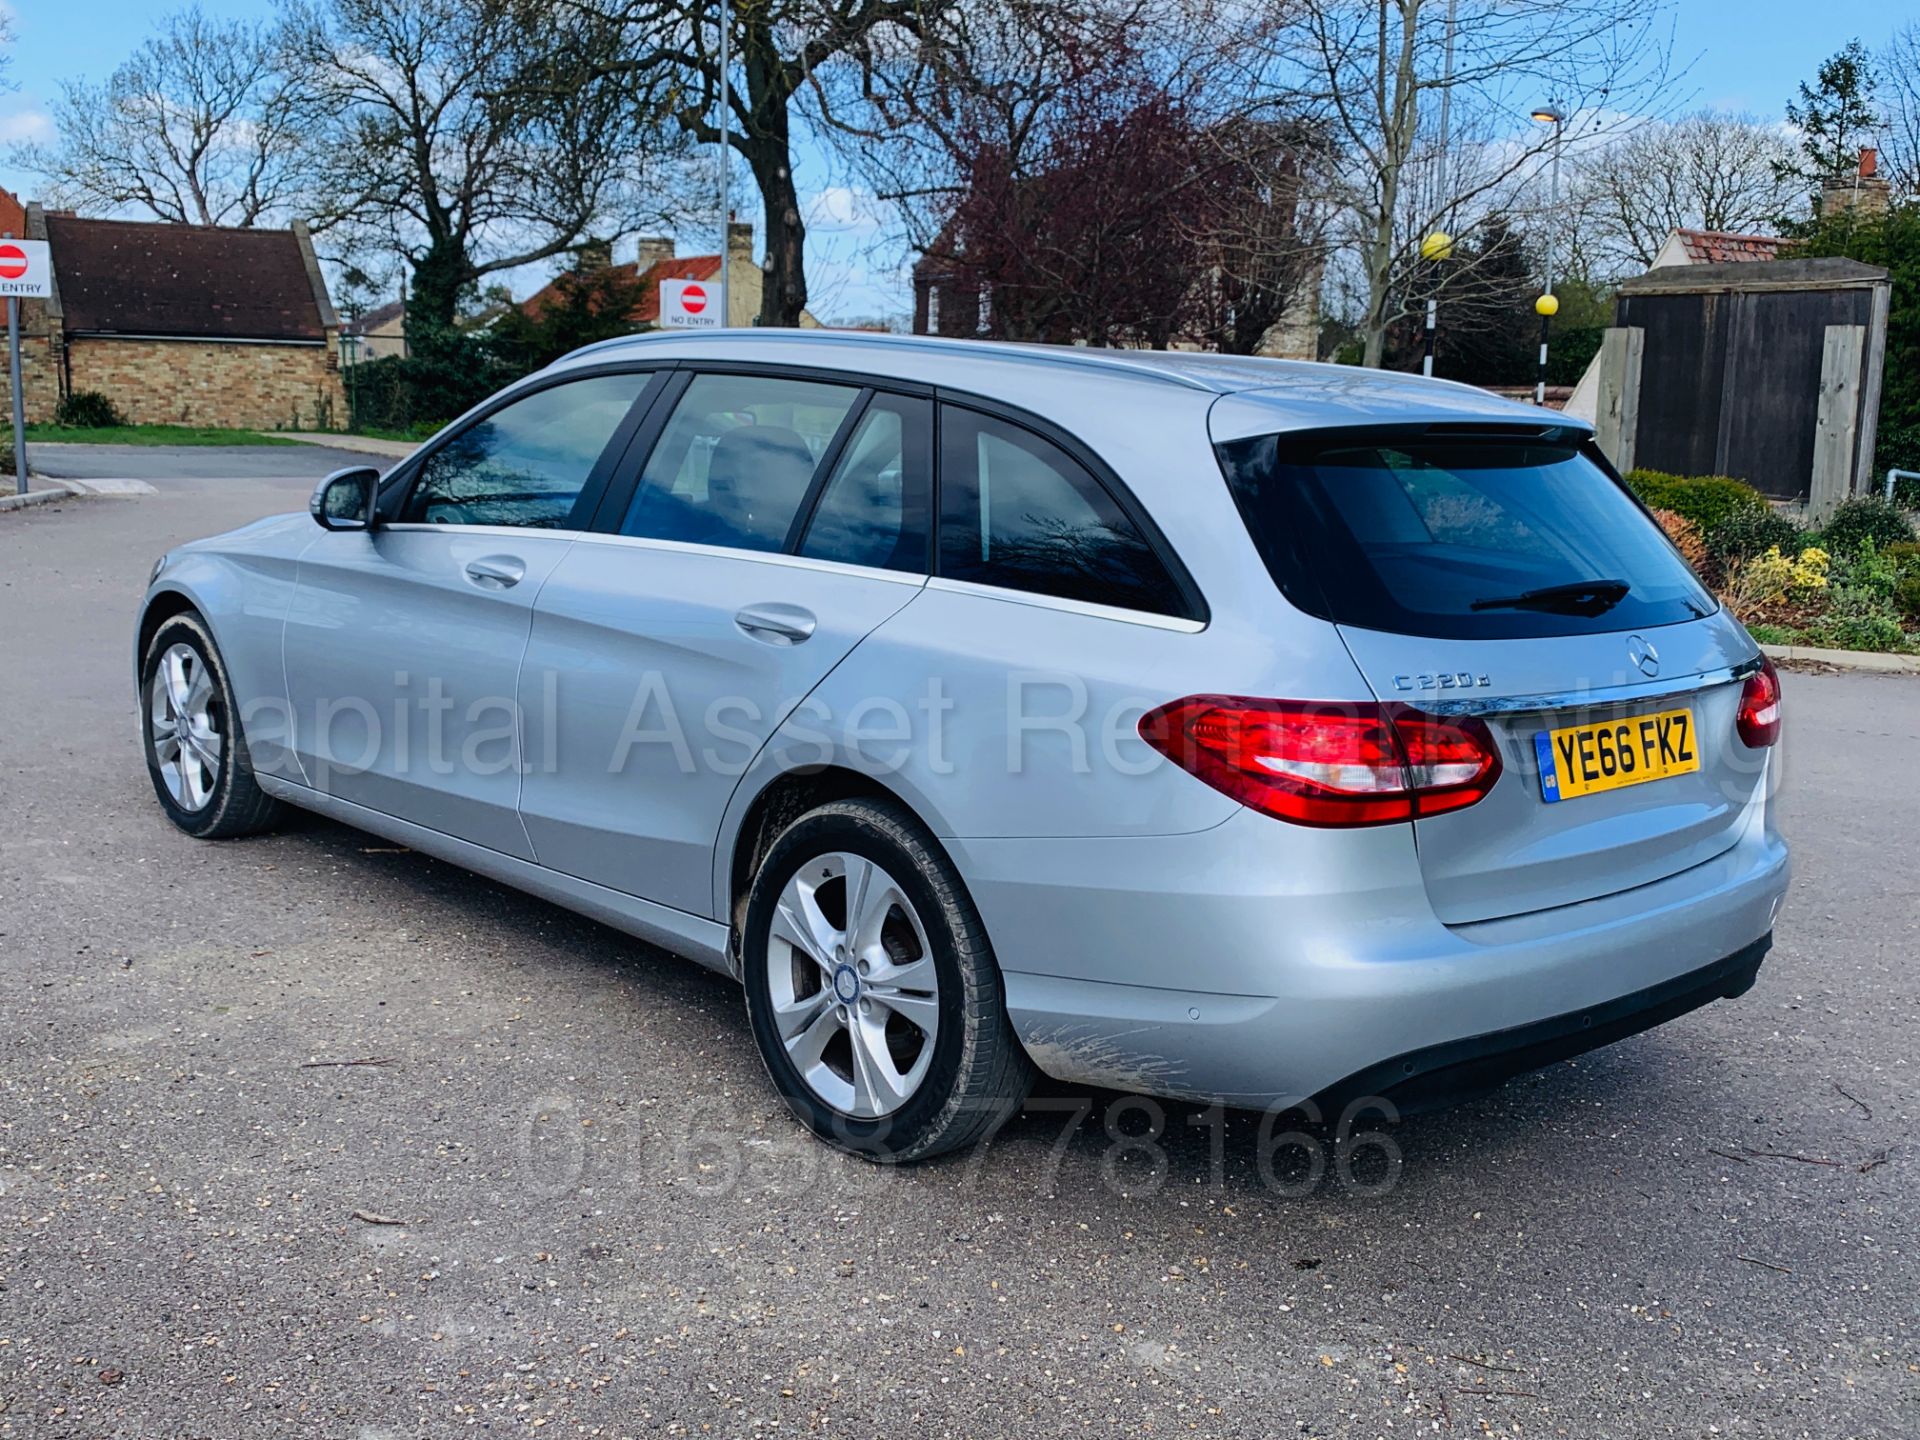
655, 261
1714, 247
376, 334
183, 324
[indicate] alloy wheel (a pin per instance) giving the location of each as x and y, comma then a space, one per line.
853, 989
185, 724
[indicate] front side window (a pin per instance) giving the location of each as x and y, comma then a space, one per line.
873, 510
1456, 537
527, 462
736, 460
1018, 512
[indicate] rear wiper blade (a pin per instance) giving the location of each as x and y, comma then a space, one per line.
1577, 597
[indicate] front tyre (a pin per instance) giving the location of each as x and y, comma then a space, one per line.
196, 754
872, 990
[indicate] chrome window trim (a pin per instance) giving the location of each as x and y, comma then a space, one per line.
1584, 699
1179, 625
914, 579
509, 530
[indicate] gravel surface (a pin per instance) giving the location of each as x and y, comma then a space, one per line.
566, 1200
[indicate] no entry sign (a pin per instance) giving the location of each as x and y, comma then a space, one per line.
689, 304
25, 269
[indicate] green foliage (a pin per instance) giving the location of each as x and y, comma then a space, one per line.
1748, 532
1866, 519
1771, 634
1855, 624
1906, 594
1834, 114
1706, 500
398, 392
588, 304
1570, 351
87, 410
1891, 241
1897, 447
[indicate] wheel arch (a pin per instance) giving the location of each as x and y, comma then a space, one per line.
783, 798
161, 606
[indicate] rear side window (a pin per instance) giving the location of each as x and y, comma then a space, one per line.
1456, 537
736, 460
1017, 511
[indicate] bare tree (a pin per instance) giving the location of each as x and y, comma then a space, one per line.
474, 136
1899, 67
777, 50
204, 125
1375, 73
1709, 171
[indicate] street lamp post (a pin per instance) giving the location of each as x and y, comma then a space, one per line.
1548, 305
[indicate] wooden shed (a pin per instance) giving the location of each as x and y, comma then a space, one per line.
1769, 373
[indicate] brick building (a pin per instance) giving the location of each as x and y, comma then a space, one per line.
182, 325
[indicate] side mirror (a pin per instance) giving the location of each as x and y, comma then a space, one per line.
344, 500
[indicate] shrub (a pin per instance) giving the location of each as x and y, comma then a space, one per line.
1906, 594
1772, 578
1706, 500
1858, 628
399, 392
1865, 518
87, 410
1866, 570
1898, 448
1685, 536
1771, 634
1747, 533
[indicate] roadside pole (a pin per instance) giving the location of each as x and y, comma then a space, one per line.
726, 167
19, 397
26, 269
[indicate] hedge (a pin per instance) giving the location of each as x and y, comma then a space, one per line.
1706, 500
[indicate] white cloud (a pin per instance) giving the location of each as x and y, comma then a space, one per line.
20, 125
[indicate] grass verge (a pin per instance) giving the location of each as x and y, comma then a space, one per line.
142, 435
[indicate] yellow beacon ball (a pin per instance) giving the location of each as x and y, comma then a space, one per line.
1437, 246
1547, 305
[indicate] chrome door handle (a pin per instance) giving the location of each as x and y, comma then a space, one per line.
777, 624
496, 572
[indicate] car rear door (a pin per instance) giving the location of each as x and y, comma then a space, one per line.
403, 643
1498, 571
777, 520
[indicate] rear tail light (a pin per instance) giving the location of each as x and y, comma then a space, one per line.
1326, 763
1759, 720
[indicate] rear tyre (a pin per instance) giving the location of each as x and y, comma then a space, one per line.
196, 754
872, 990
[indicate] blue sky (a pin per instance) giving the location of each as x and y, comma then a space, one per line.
1744, 55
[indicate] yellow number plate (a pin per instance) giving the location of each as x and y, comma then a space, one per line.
1586, 759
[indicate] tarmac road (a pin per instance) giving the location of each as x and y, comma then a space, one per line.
610, 1227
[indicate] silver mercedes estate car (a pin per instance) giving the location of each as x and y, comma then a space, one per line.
1225, 729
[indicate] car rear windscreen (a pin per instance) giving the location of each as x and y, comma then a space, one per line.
1456, 536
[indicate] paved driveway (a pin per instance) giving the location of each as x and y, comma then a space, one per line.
610, 1227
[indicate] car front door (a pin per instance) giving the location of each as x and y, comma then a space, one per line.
403, 642
777, 521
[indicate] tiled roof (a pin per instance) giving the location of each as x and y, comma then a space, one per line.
126, 277
1721, 247
647, 312
380, 315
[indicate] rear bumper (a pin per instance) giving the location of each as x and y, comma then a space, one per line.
1260, 964
1444, 1074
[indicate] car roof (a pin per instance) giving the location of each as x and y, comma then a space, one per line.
1291, 394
